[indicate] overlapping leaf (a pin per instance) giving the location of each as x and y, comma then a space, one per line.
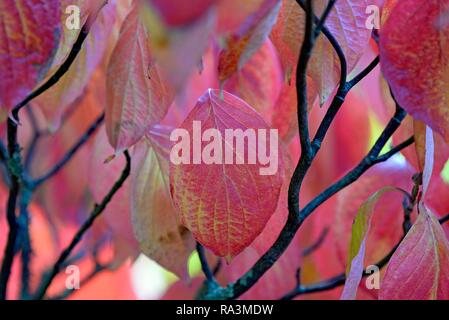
259, 82
137, 95
55, 101
27, 46
419, 268
240, 46
225, 206
154, 218
357, 248
416, 64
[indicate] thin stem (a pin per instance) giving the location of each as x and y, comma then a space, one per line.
364, 72
71, 153
204, 265
84, 228
444, 219
15, 171
301, 81
322, 20
317, 244
25, 241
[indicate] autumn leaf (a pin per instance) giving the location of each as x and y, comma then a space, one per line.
241, 45
386, 227
26, 46
154, 218
137, 95
415, 63
419, 268
224, 204
259, 82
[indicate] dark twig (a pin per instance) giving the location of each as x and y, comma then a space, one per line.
410, 202
340, 279
322, 20
25, 241
364, 72
15, 172
71, 153
318, 243
86, 226
444, 219
333, 282
204, 264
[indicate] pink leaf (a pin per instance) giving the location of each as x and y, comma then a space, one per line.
29, 35
137, 95
419, 268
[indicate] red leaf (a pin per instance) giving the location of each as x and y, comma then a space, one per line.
225, 206
386, 228
416, 63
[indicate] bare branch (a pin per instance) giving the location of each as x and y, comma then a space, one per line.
70, 154
84, 228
